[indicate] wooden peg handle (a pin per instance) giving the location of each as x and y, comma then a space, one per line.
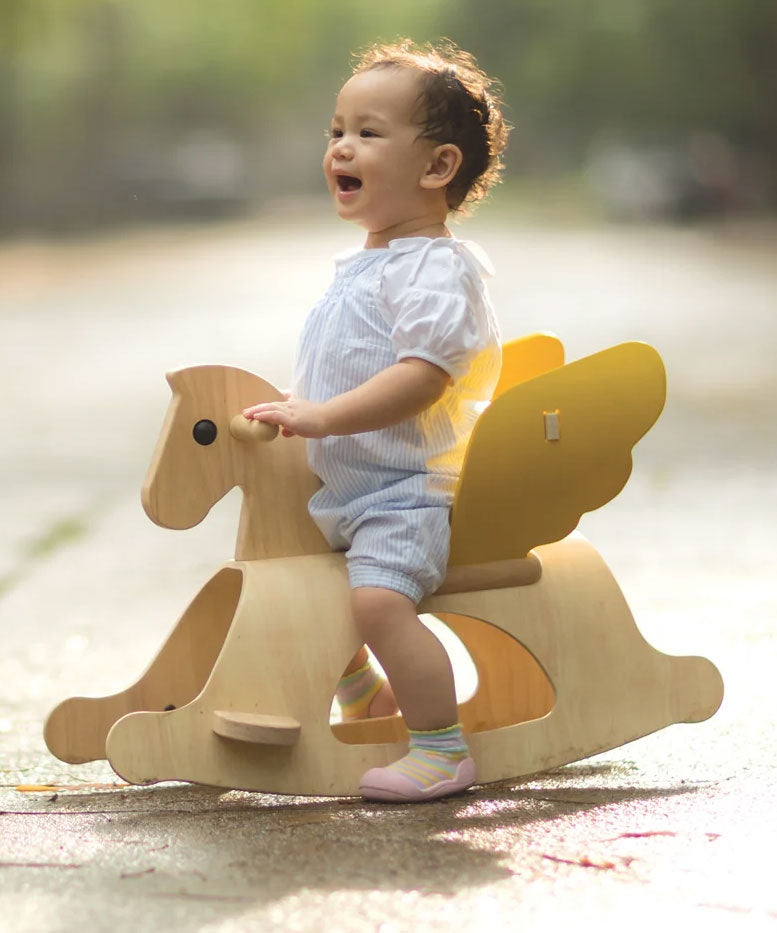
244, 430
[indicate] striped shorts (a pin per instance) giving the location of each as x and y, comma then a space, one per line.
389, 544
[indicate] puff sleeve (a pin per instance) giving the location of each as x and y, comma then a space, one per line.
435, 305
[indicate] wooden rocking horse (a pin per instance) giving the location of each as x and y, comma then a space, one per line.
239, 695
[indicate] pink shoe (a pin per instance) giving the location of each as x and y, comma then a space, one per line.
387, 784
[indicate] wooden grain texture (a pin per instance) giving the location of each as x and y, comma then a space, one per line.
563, 672
472, 577
76, 730
255, 728
512, 686
185, 479
610, 685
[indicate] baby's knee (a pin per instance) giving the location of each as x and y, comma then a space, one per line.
376, 609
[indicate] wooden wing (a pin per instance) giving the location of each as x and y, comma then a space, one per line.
549, 449
527, 357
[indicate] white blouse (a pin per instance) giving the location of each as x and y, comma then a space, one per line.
418, 297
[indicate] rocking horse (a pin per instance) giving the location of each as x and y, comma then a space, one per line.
563, 671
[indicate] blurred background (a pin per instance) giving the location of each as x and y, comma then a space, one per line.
115, 112
162, 205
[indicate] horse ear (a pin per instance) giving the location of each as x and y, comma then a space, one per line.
178, 379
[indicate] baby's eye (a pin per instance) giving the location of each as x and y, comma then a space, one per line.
365, 134
335, 133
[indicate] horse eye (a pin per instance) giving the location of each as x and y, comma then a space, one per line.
204, 432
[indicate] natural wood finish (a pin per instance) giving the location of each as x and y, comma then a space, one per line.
250, 431
512, 687
258, 729
377, 731
499, 573
274, 477
527, 357
606, 403
611, 685
76, 730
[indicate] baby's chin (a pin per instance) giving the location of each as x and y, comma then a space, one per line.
350, 212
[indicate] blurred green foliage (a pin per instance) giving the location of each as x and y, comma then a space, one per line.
126, 110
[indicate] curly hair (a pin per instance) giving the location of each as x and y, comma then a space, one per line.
459, 104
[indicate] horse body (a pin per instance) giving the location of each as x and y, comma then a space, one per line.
240, 693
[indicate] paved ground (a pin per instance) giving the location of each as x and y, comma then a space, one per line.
677, 827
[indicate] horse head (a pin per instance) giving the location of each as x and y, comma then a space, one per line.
206, 448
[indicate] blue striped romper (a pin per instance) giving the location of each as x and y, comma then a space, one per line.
386, 494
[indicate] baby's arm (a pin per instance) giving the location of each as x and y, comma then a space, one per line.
393, 395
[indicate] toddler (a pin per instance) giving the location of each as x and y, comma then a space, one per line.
392, 367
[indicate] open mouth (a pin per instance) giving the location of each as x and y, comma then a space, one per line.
348, 183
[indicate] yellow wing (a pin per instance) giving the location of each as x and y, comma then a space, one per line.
549, 449
527, 357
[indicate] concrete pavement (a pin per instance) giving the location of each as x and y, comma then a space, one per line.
677, 827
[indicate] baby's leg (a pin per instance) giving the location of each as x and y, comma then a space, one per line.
415, 662
397, 555
420, 672
362, 692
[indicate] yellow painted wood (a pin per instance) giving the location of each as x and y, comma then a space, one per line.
527, 357
517, 489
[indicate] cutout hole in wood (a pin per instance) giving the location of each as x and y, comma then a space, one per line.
499, 683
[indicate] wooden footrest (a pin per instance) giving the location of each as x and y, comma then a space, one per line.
256, 728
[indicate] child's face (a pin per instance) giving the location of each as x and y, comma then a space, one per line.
376, 159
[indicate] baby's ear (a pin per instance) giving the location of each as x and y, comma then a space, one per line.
445, 162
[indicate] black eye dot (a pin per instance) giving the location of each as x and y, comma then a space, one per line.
204, 432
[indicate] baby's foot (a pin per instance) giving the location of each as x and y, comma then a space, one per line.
364, 694
384, 702
437, 765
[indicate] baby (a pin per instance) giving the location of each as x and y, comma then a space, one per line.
392, 368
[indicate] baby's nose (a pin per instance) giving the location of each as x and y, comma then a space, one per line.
342, 148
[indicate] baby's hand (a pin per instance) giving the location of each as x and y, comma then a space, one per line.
294, 415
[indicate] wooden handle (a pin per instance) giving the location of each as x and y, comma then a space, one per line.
244, 430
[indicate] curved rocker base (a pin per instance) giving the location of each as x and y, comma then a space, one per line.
610, 685
76, 730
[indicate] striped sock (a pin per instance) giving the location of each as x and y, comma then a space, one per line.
433, 756
356, 691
